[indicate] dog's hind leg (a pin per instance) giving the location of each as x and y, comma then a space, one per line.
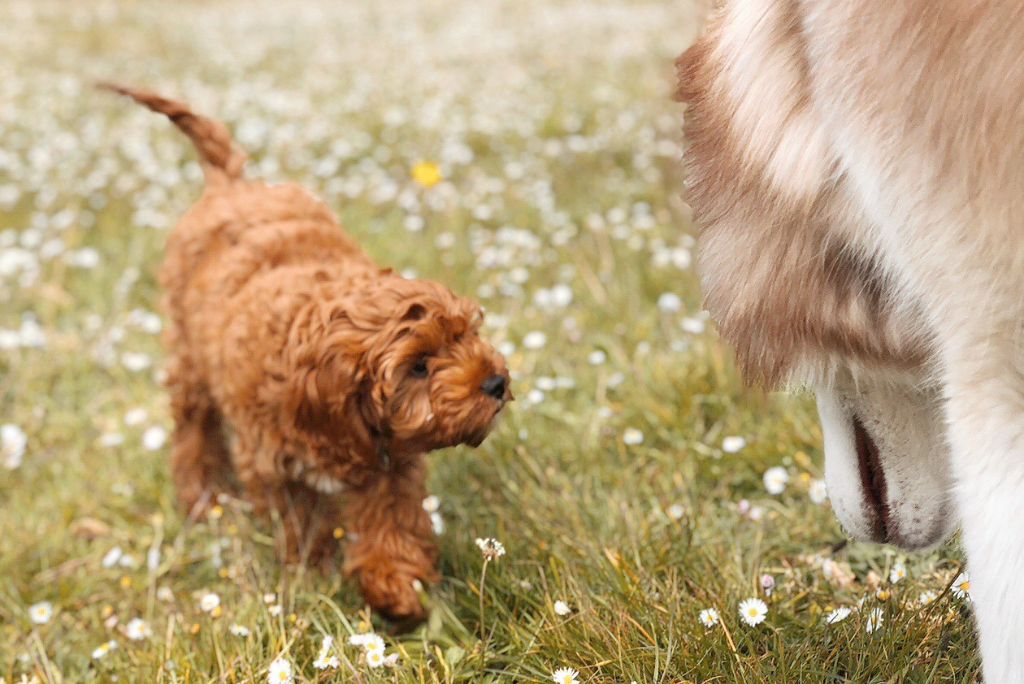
308, 522
200, 460
391, 540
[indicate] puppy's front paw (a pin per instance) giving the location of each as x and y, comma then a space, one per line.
393, 593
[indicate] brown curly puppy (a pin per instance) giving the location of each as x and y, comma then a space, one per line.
336, 376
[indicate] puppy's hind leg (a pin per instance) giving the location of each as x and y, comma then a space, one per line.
392, 542
200, 460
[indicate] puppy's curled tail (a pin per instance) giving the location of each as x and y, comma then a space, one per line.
221, 160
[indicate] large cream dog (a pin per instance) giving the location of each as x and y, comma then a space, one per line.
857, 167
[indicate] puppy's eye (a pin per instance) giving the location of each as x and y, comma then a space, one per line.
419, 370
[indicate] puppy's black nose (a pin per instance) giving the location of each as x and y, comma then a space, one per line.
494, 386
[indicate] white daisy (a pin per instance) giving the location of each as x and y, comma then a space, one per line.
676, 511
534, 340
154, 437
670, 301
137, 630
875, 620
837, 615
597, 357
491, 548
102, 650
817, 492
41, 612
731, 445
432, 504
12, 445
897, 572
269, 598
437, 523
561, 608
692, 325
565, 675
239, 630
962, 586
375, 657
209, 602
323, 659
775, 480
111, 439
709, 617
280, 672
135, 416
632, 436
926, 597
753, 611
165, 594
136, 361
275, 609
373, 642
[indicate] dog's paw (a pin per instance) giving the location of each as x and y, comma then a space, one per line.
394, 594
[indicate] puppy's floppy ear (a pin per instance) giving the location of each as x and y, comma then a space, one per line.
327, 394
324, 383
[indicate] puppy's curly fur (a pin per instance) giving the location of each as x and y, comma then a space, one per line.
336, 376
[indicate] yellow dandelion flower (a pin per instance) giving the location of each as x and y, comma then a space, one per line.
426, 174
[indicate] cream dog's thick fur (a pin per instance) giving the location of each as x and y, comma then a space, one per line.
857, 167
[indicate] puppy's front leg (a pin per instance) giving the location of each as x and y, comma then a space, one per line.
392, 543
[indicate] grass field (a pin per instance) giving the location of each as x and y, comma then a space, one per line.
631, 478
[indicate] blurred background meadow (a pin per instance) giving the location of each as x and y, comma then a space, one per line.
525, 153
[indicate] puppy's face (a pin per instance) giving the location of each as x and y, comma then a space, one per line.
426, 379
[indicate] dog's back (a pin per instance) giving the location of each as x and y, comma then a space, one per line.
240, 245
